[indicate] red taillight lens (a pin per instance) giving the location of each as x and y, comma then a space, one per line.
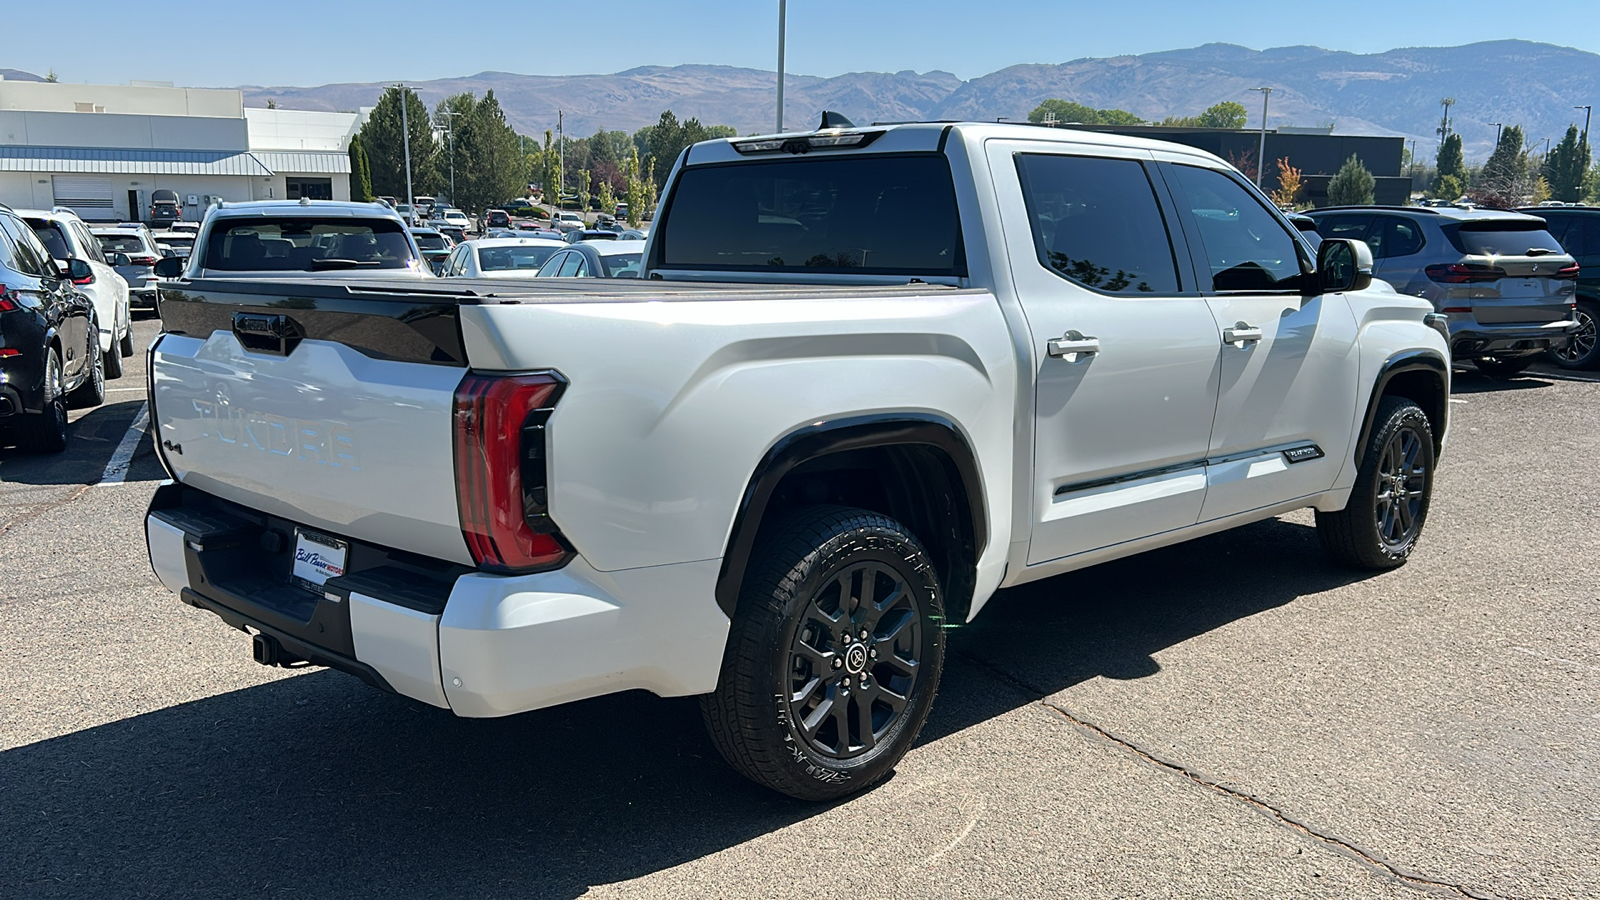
87, 279
9, 351
6, 303
500, 471
1569, 273
1465, 273
142, 260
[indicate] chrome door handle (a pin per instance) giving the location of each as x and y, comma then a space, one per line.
1074, 343
1241, 334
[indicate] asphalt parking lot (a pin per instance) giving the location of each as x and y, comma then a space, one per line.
1226, 718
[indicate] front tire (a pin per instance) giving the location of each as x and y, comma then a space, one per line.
833, 657
1388, 506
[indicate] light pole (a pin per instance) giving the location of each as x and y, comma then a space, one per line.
1586, 111
405, 143
1444, 123
1497, 127
783, 10
1261, 154
561, 168
450, 129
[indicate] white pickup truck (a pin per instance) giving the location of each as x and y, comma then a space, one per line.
872, 375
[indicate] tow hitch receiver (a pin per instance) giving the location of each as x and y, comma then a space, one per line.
268, 651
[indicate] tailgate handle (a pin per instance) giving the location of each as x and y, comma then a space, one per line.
273, 333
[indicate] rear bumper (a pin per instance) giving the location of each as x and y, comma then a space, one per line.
477, 644
1470, 338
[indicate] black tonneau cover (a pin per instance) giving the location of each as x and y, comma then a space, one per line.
418, 322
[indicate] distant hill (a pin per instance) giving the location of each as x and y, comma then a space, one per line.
1397, 92
19, 75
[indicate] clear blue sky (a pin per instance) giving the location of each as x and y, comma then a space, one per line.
295, 42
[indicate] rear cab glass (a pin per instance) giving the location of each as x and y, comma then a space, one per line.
855, 214
280, 243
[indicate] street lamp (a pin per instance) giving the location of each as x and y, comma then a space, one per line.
405, 143
1497, 127
1261, 154
450, 129
783, 14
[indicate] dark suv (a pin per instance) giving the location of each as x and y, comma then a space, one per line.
496, 218
1578, 230
164, 208
49, 340
1502, 278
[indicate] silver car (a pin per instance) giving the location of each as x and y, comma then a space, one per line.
1504, 281
136, 242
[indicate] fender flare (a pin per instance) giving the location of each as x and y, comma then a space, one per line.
1400, 363
835, 436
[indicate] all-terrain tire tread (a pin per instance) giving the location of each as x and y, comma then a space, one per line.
1349, 536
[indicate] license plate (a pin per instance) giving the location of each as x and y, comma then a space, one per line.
317, 558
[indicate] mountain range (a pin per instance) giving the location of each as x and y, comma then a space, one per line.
1397, 92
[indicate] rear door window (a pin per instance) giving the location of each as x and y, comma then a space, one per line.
1352, 228
1097, 222
31, 257
1401, 237
569, 265
862, 215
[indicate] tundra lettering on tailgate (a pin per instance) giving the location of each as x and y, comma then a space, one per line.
310, 440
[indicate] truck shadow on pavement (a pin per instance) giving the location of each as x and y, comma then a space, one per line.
320, 786
91, 440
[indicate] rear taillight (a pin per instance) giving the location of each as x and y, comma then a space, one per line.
6, 303
87, 279
1569, 273
501, 477
143, 260
1465, 273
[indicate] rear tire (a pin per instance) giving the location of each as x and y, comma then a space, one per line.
92, 392
1503, 368
1584, 350
47, 431
1388, 506
804, 705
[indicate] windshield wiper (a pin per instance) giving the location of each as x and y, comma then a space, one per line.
334, 263
1538, 251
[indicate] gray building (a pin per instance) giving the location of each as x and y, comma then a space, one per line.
102, 149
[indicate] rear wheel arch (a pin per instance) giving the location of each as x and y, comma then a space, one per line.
1420, 376
916, 468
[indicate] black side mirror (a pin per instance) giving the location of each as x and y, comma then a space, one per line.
79, 271
171, 267
119, 258
63, 270
1343, 265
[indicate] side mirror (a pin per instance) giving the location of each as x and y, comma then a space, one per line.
1343, 265
171, 267
62, 267
79, 271
120, 259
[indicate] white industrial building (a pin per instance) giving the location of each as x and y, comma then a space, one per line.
101, 149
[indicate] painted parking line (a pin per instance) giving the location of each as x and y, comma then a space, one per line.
117, 469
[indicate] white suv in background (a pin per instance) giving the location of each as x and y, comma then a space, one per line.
66, 237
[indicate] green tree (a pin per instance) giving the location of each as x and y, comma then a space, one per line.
1507, 179
1508, 159
606, 199
1066, 111
1450, 187
1591, 186
1451, 164
1352, 185
382, 140
360, 172
50, 76
583, 190
1226, 114
1567, 166
496, 156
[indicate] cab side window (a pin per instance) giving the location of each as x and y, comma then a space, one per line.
1097, 222
1247, 248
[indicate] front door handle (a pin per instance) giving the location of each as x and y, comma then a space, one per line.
1074, 344
1241, 334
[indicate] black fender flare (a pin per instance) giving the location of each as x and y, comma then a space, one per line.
1400, 363
834, 436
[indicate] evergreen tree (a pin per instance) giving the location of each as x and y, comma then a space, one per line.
360, 172
1506, 180
1567, 166
636, 188
1451, 164
382, 141
1507, 160
1352, 185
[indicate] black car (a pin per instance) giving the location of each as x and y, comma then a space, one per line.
165, 208
49, 340
1578, 230
496, 218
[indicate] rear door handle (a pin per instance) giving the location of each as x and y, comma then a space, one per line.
1241, 334
1074, 343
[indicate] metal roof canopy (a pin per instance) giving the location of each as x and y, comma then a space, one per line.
304, 162
130, 162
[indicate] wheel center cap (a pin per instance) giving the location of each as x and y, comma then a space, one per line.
855, 659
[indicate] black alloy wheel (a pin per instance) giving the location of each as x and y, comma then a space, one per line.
834, 654
854, 660
1381, 523
1401, 488
47, 431
1583, 352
